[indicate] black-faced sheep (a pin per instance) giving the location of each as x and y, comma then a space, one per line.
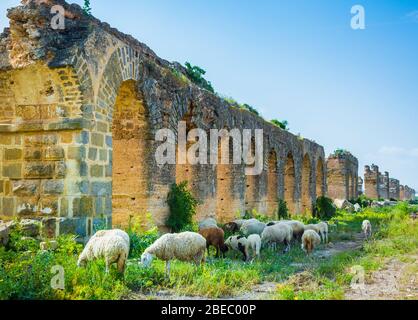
367, 229
238, 243
310, 240
112, 245
186, 246
215, 237
278, 233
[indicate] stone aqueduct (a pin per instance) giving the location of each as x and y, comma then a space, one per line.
79, 109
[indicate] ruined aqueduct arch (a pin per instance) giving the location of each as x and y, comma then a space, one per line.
78, 114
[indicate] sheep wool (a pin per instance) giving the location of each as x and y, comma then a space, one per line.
253, 247
208, 223
278, 233
367, 229
310, 240
111, 245
252, 227
186, 246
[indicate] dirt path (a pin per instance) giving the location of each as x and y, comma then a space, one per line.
397, 280
264, 290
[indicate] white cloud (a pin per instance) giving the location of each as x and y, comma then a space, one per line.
398, 152
413, 15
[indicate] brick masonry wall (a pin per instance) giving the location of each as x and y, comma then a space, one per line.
78, 114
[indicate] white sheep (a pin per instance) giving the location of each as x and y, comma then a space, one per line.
252, 227
253, 247
310, 240
367, 229
208, 223
321, 229
278, 233
186, 246
297, 227
111, 245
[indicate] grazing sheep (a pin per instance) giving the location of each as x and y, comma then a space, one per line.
112, 245
208, 223
238, 243
231, 227
252, 227
278, 233
321, 229
367, 229
310, 240
297, 227
186, 246
215, 237
253, 247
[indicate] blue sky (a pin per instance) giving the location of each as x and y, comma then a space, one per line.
298, 60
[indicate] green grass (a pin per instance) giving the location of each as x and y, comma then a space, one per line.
25, 271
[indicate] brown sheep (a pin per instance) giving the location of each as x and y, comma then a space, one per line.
215, 237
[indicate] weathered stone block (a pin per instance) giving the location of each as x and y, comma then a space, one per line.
49, 206
28, 188
1, 186
103, 155
77, 153
33, 153
54, 153
52, 187
97, 171
97, 139
27, 206
8, 207
12, 171
92, 154
83, 207
39, 170
12, 154
101, 188
60, 170
5, 139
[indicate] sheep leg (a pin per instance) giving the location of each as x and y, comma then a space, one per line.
168, 267
217, 252
107, 261
287, 247
121, 263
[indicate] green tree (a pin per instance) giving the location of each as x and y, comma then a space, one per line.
87, 7
196, 74
182, 206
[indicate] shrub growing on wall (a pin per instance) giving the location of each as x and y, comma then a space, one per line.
324, 208
182, 206
196, 74
282, 211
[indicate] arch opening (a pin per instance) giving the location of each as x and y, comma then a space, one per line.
320, 178
272, 190
131, 143
289, 184
306, 183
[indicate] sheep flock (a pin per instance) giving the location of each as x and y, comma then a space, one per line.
249, 239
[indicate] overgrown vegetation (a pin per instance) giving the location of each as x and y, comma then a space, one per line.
25, 271
324, 208
196, 74
182, 206
281, 124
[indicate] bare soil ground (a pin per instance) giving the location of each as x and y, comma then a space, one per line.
398, 280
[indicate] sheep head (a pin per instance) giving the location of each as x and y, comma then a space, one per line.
146, 260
